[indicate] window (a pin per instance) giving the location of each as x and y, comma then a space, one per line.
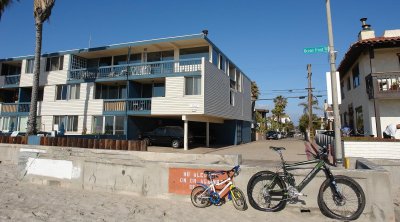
192, 53
108, 124
220, 62
359, 120
232, 97
238, 81
110, 91
70, 123
192, 85
119, 128
215, 57
9, 123
159, 90
29, 66
348, 84
356, 76
105, 61
61, 92
342, 89
64, 92
136, 58
54, 63
74, 91
120, 60
97, 124
8, 69
111, 125
160, 56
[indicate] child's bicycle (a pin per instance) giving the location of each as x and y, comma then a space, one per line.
203, 195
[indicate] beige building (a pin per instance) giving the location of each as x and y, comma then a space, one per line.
126, 89
369, 81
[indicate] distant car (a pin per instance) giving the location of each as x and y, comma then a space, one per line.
272, 135
166, 135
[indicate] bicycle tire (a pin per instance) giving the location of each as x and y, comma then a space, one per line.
264, 196
326, 196
238, 199
200, 201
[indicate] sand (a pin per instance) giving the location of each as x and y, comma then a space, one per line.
22, 201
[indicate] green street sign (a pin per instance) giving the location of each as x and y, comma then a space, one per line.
320, 49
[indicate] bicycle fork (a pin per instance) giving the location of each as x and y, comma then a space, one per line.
337, 195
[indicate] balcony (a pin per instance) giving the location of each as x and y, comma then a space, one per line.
15, 109
10, 80
127, 106
383, 85
130, 71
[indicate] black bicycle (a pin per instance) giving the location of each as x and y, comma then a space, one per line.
340, 197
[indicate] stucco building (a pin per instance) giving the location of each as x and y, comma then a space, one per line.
369, 78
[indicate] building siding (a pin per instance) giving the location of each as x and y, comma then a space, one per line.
175, 102
217, 95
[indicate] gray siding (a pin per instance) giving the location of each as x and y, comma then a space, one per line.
217, 95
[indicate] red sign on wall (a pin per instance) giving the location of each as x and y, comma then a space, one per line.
183, 180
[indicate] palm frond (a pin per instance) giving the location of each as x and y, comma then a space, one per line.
42, 9
4, 4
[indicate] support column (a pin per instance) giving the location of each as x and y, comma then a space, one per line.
207, 134
185, 135
378, 119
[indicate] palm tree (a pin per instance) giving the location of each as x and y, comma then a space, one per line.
314, 106
255, 92
3, 5
41, 13
279, 110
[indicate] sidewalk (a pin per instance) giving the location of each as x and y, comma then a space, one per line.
255, 153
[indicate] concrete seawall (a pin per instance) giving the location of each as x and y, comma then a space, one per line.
159, 174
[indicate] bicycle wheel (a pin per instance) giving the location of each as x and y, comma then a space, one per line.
238, 199
200, 197
349, 206
266, 192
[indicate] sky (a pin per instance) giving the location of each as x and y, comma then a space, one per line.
265, 38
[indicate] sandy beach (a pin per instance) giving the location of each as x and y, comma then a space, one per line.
22, 201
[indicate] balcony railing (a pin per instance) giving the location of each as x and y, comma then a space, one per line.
15, 108
130, 106
140, 69
383, 85
12, 80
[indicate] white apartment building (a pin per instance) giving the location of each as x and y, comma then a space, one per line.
369, 78
129, 88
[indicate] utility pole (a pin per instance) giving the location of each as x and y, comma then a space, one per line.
310, 123
335, 104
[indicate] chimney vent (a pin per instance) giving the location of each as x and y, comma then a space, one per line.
367, 32
365, 26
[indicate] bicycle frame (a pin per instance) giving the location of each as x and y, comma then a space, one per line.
212, 186
320, 165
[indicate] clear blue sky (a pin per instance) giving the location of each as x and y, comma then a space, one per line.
264, 38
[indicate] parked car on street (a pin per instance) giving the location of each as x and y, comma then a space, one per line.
166, 135
272, 135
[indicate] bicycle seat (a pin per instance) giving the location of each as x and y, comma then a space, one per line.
277, 148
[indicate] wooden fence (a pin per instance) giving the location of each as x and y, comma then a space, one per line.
109, 144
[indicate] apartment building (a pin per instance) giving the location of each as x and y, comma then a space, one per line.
369, 78
130, 88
